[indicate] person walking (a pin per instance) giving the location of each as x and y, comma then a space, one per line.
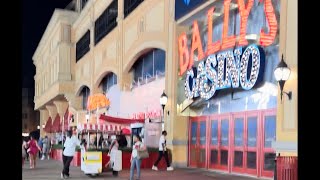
122, 140
68, 152
33, 149
24, 153
163, 152
40, 145
45, 147
135, 162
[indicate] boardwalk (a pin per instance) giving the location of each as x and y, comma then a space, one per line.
50, 170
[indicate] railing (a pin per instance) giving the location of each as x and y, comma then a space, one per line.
159, 74
146, 79
148, 76
286, 168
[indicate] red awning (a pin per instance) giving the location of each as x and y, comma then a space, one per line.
56, 127
120, 120
48, 127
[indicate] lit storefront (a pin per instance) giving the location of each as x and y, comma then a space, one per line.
227, 55
223, 110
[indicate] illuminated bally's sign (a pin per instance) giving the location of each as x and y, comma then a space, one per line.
210, 75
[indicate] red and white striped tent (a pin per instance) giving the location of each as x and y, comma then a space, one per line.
103, 127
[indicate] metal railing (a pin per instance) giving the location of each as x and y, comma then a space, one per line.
286, 168
146, 79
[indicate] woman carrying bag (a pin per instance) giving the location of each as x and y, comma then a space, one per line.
139, 152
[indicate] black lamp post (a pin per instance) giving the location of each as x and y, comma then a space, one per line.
282, 74
163, 102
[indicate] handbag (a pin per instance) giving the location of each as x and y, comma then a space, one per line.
142, 154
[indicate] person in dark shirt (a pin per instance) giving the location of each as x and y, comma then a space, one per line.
122, 140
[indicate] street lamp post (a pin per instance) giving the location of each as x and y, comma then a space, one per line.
87, 118
163, 102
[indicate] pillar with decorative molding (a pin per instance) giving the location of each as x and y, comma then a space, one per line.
176, 126
44, 116
287, 112
62, 107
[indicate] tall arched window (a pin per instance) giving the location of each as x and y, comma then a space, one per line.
149, 65
85, 92
108, 81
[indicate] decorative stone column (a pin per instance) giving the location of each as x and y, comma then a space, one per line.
44, 116
175, 124
61, 109
52, 109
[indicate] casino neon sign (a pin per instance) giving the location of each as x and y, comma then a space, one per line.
230, 68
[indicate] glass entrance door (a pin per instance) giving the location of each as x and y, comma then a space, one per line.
219, 142
245, 143
198, 142
268, 135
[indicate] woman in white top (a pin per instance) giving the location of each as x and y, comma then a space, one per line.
137, 146
68, 151
113, 150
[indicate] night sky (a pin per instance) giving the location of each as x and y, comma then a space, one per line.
36, 16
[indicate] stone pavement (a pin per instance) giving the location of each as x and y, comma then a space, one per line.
50, 170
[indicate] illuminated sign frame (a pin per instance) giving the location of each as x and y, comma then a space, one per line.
204, 80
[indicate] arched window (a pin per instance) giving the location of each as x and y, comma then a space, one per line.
108, 81
85, 92
149, 65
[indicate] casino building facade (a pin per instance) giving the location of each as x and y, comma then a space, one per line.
214, 59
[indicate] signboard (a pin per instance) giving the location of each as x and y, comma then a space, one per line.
229, 62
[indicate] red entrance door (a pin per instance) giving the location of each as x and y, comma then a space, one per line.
219, 142
198, 142
245, 143
268, 136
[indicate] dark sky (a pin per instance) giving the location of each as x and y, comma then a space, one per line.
36, 16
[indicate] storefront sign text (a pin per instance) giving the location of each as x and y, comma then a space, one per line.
186, 56
211, 75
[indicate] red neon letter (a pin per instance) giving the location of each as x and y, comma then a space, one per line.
196, 44
227, 42
183, 53
267, 39
244, 13
211, 47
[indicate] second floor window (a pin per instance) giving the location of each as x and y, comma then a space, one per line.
108, 81
149, 65
83, 3
83, 45
106, 22
85, 94
130, 5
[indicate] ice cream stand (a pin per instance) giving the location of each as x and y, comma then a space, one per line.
91, 161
